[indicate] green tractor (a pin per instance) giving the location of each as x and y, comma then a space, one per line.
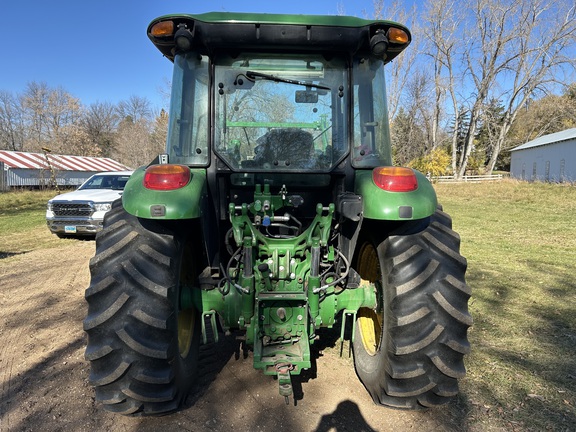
276, 212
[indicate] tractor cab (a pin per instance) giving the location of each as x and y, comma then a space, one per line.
258, 98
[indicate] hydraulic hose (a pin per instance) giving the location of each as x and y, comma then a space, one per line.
337, 281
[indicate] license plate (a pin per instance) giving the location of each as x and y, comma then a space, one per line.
70, 229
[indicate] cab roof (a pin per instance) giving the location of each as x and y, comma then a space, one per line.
227, 32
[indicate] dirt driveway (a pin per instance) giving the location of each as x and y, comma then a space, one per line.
44, 377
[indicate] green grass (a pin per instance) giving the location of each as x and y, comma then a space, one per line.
23, 222
520, 242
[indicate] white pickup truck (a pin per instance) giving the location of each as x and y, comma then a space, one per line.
81, 213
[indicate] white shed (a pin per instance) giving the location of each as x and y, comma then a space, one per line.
22, 169
550, 158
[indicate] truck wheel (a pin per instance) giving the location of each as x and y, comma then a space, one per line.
142, 342
409, 352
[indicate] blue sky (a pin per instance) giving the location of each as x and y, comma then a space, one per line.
98, 50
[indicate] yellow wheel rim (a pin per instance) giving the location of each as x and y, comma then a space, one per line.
369, 322
186, 317
186, 320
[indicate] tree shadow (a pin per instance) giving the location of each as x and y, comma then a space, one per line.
4, 255
532, 383
43, 377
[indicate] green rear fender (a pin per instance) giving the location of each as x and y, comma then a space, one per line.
183, 203
383, 205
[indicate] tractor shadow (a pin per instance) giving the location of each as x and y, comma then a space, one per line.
212, 359
327, 338
345, 417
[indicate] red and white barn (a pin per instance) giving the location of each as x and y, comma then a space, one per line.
22, 169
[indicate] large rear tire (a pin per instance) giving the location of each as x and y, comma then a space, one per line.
142, 342
409, 352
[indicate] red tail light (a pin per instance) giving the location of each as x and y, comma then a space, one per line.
395, 179
166, 177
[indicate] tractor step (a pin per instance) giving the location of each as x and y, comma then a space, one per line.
345, 315
209, 328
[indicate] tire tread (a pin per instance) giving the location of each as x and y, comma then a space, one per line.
426, 319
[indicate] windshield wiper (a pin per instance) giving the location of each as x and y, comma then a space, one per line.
253, 75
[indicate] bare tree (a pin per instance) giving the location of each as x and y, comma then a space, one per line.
35, 103
548, 35
134, 146
442, 20
73, 139
411, 126
159, 132
45, 111
12, 130
62, 109
135, 109
423, 107
515, 48
485, 51
100, 121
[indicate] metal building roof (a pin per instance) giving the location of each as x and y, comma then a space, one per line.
14, 159
564, 135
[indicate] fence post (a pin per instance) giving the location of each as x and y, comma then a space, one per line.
3, 178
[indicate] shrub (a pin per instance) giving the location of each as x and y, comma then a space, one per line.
436, 163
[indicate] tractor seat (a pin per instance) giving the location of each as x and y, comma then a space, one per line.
285, 147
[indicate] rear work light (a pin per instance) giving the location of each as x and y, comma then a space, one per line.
395, 179
166, 177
